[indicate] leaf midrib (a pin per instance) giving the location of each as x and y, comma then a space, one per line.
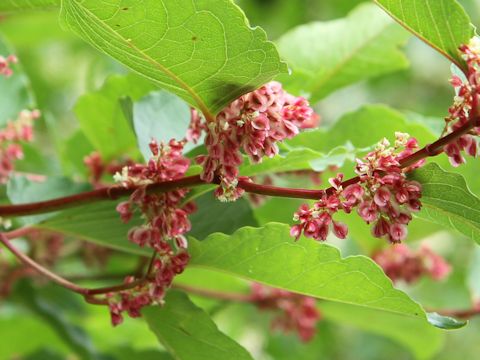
245, 277
202, 106
420, 36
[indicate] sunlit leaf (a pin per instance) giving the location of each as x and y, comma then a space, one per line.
188, 332
447, 201
203, 51
325, 56
442, 24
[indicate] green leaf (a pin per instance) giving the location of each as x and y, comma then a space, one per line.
74, 336
18, 339
326, 56
314, 269
125, 353
442, 24
102, 119
363, 128
401, 329
203, 51
292, 159
21, 190
73, 151
44, 354
162, 116
447, 201
473, 275
188, 333
445, 322
22, 5
215, 216
98, 223
16, 90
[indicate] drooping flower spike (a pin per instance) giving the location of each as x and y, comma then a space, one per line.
166, 222
383, 196
254, 124
466, 102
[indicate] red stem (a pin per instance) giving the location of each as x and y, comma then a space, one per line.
112, 193
64, 282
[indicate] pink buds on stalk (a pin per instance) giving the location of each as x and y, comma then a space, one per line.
254, 123
166, 222
5, 65
383, 196
465, 102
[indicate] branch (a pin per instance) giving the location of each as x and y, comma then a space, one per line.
213, 294
86, 292
115, 192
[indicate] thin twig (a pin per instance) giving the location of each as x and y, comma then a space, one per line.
220, 295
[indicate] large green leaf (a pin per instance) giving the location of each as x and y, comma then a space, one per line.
204, 51
448, 201
216, 216
98, 223
325, 56
102, 119
315, 269
73, 335
188, 333
21, 326
401, 329
442, 24
21, 5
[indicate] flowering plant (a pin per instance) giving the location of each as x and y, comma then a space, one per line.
214, 181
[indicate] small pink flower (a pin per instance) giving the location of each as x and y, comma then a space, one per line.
255, 122
340, 230
397, 232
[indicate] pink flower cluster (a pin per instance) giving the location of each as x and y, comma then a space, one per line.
465, 103
5, 64
383, 196
254, 123
15, 132
399, 262
296, 312
166, 222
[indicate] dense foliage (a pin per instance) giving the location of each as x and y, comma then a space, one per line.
179, 184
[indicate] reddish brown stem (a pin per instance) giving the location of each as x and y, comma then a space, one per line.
108, 193
461, 314
64, 282
39, 268
18, 232
112, 193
